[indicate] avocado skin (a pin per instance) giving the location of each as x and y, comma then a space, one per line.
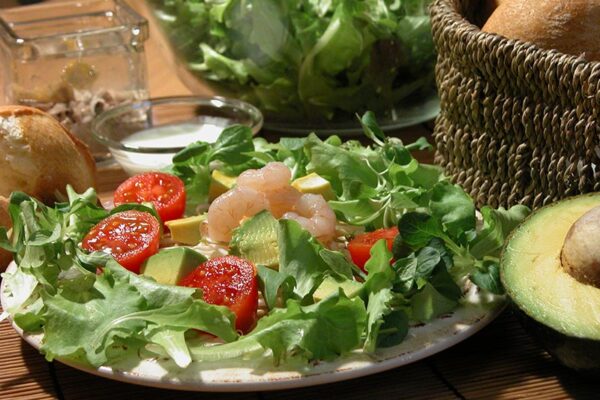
582, 355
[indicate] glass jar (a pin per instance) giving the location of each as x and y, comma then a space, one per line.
73, 60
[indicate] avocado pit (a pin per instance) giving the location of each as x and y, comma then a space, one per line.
580, 254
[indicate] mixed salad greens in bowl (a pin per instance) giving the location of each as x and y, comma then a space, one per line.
150, 274
309, 64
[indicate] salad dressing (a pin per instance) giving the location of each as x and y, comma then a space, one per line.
171, 138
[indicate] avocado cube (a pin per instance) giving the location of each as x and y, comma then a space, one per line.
331, 286
219, 184
314, 183
171, 265
186, 230
256, 240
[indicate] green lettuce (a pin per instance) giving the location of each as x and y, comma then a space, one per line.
85, 316
294, 59
99, 318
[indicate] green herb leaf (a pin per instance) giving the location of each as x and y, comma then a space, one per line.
338, 263
417, 229
393, 330
231, 145
497, 224
378, 307
299, 258
271, 281
487, 277
453, 208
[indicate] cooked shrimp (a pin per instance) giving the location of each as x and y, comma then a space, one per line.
314, 214
228, 210
274, 181
271, 177
282, 200
269, 188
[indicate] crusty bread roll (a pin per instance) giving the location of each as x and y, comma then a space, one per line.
488, 7
5, 221
569, 26
40, 157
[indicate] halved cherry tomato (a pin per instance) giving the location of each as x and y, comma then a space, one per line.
360, 246
129, 236
228, 281
165, 191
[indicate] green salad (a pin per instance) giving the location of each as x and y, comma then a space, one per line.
93, 310
298, 59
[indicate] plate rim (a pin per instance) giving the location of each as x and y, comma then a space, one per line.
290, 382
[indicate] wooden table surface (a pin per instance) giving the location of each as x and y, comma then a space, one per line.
500, 362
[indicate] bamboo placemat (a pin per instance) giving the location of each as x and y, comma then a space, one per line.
501, 362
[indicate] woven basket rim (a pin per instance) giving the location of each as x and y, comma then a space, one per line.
519, 64
448, 11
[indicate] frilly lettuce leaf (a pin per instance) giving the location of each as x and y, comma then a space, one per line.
321, 58
321, 331
87, 316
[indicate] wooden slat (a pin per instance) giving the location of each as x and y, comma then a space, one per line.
415, 381
77, 385
23, 372
109, 177
503, 362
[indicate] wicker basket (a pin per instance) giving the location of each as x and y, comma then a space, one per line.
518, 125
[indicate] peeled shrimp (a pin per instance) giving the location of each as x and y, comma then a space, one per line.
282, 200
229, 209
274, 181
314, 214
271, 177
269, 188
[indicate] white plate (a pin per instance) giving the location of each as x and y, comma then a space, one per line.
235, 376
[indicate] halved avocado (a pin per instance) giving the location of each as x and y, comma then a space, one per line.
559, 310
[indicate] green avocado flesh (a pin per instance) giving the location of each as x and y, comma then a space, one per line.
256, 240
171, 265
330, 286
534, 279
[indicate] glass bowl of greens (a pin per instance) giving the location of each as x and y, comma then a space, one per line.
309, 64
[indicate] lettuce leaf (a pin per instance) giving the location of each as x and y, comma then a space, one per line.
89, 317
321, 331
319, 58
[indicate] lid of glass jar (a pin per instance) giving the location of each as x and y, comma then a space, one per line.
59, 28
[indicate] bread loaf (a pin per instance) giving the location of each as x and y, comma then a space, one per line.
488, 7
40, 157
569, 26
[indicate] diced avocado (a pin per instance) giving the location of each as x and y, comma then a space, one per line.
186, 230
219, 184
169, 266
256, 240
330, 286
314, 183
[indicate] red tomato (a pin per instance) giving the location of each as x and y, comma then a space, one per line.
129, 236
360, 246
228, 281
165, 191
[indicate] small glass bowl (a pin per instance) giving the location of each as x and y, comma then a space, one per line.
145, 135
